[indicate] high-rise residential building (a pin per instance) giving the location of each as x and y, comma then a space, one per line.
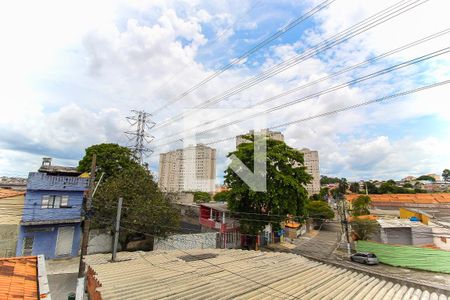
189, 169
275, 135
311, 162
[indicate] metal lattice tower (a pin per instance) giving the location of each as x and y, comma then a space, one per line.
142, 122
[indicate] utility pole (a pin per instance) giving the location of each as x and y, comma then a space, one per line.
116, 232
87, 220
142, 122
344, 213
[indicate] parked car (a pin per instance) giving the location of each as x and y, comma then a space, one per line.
365, 258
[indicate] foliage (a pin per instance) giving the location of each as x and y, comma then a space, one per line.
111, 159
426, 177
327, 180
145, 210
361, 205
371, 187
222, 196
363, 228
408, 185
202, 197
354, 187
285, 177
343, 187
323, 194
319, 210
446, 175
315, 197
390, 187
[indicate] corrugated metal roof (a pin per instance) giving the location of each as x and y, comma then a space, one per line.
236, 274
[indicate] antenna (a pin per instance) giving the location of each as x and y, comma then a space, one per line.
142, 122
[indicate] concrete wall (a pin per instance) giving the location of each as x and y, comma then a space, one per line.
397, 236
422, 235
8, 239
100, 241
441, 237
45, 241
187, 241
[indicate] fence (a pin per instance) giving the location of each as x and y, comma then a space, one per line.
408, 256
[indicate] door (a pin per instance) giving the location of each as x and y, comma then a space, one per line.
27, 248
64, 240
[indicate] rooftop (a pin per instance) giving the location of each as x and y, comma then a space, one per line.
396, 223
220, 206
435, 198
233, 274
7, 193
18, 278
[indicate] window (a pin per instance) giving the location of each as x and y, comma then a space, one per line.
51, 201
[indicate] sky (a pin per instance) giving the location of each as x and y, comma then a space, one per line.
71, 72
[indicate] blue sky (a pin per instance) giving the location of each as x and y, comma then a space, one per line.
73, 71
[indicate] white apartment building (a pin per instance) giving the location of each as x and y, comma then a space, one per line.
274, 135
311, 159
189, 169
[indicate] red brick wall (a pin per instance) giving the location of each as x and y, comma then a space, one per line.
92, 285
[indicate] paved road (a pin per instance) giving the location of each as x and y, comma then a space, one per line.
322, 246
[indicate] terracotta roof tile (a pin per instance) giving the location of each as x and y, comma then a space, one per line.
406, 198
6, 193
18, 278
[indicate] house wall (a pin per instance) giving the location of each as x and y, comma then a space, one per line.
33, 211
397, 236
100, 241
45, 242
8, 239
422, 235
441, 237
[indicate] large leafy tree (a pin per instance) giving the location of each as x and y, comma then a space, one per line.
363, 228
222, 196
111, 159
319, 211
446, 174
354, 187
426, 177
201, 197
286, 179
360, 205
145, 212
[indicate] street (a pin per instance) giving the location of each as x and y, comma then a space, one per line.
322, 245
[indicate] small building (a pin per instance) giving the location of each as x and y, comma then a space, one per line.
11, 206
215, 217
404, 232
23, 278
234, 274
51, 219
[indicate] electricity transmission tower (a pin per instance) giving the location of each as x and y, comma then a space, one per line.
141, 121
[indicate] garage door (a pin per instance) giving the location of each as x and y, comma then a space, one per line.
64, 240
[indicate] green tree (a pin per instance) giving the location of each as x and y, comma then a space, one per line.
408, 185
360, 205
343, 187
363, 229
285, 178
319, 211
111, 159
327, 180
446, 175
426, 177
323, 194
145, 212
202, 197
222, 196
314, 197
371, 188
354, 187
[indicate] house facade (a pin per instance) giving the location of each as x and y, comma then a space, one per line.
51, 219
215, 217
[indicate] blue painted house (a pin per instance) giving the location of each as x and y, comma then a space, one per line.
51, 220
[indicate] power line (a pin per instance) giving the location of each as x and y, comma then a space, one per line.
260, 45
335, 74
323, 92
380, 17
